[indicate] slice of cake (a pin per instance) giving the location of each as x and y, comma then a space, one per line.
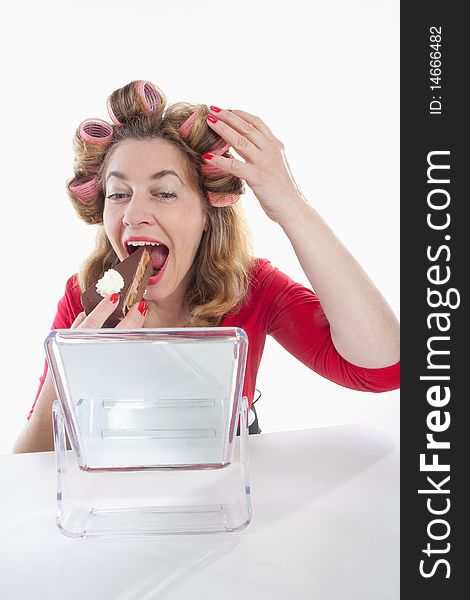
128, 279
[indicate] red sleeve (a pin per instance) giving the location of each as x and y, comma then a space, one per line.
295, 319
68, 308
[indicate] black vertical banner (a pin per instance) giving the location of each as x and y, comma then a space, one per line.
435, 233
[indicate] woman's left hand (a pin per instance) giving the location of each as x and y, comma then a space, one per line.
265, 169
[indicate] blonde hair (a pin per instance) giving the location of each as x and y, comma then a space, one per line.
221, 268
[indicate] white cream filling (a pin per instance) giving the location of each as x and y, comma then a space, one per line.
111, 282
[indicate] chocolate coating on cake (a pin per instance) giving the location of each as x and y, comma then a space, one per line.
136, 270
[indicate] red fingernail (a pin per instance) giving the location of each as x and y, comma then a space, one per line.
216, 108
208, 156
143, 308
212, 119
114, 298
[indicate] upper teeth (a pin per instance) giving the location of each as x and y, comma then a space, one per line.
143, 244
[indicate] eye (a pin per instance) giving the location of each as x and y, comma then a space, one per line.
166, 196
115, 196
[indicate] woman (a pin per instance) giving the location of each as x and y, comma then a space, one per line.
164, 177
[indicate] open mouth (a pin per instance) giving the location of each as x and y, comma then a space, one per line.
159, 254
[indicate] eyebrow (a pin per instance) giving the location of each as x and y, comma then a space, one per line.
157, 175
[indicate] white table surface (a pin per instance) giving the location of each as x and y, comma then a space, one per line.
325, 525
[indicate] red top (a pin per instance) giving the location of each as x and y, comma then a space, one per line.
290, 313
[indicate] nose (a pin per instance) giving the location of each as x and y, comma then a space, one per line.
138, 210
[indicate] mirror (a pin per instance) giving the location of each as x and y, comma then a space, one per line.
149, 398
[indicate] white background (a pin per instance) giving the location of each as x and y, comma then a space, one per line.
326, 81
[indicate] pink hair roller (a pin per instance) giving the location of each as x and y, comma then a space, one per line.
207, 168
96, 132
185, 128
113, 117
85, 189
220, 148
219, 200
149, 96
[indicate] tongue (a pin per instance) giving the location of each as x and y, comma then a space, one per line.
158, 255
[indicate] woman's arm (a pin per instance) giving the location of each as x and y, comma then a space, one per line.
364, 329
36, 435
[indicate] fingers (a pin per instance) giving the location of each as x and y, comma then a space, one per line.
250, 138
135, 317
258, 123
99, 314
133, 320
228, 165
80, 318
250, 126
242, 136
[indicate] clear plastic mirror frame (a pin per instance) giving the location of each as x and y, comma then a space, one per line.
152, 416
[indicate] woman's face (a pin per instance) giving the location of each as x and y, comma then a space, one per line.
149, 197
